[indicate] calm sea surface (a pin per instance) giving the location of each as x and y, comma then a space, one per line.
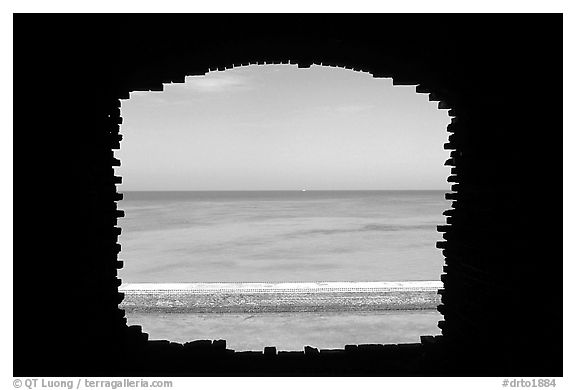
283, 236
292, 331
275, 236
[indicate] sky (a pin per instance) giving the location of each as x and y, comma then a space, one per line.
278, 127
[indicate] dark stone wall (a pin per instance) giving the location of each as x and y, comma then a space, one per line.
500, 77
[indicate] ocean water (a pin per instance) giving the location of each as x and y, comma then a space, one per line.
292, 331
281, 236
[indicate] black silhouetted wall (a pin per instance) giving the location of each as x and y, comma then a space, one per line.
501, 78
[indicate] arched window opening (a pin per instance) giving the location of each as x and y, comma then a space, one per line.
272, 205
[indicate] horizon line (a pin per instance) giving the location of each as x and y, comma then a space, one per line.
294, 190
